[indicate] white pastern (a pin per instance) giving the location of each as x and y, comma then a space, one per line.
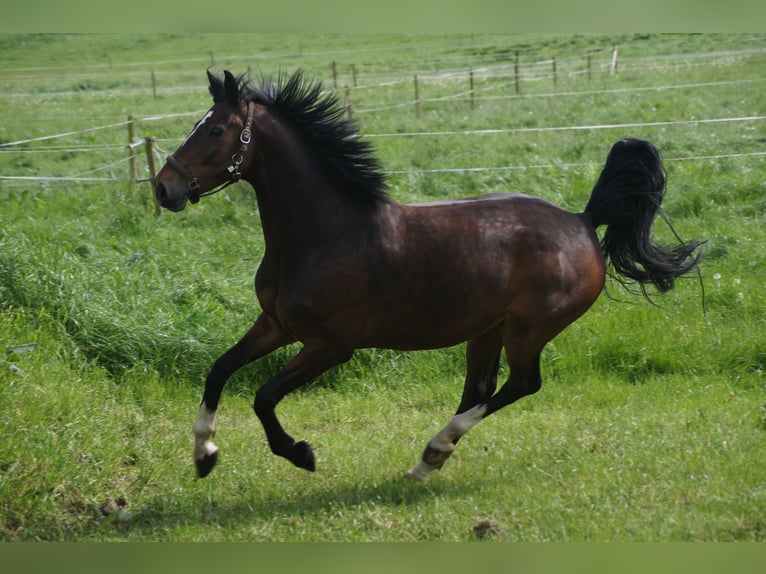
204, 430
457, 427
419, 471
442, 441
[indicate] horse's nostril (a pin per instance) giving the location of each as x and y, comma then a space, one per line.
160, 191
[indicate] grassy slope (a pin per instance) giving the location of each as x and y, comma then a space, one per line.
650, 423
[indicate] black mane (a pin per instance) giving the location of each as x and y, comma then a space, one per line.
319, 118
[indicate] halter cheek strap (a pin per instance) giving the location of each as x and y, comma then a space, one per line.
233, 169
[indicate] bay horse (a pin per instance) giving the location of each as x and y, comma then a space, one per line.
345, 267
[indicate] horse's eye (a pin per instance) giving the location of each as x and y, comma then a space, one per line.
216, 131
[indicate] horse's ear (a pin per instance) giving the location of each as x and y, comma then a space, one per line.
226, 90
216, 87
231, 88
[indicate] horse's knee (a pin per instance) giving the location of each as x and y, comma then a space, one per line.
263, 403
526, 381
519, 388
519, 385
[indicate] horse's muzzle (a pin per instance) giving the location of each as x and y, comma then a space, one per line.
167, 199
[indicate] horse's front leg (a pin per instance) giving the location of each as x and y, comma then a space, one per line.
310, 362
262, 338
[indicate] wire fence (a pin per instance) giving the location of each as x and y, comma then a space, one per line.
485, 82
160, 152
667, 53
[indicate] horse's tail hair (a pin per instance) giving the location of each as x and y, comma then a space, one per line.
626, 198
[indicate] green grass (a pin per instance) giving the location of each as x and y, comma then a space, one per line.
650, 424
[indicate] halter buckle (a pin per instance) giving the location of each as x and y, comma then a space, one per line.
233, 169
194, 193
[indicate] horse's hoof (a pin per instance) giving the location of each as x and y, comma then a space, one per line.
419, 471
302, 456
206, 463
413, 475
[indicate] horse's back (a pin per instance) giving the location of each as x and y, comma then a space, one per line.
512, 223
462, 201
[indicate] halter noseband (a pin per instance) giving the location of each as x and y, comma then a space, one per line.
192, 183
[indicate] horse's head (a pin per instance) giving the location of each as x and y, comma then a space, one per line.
211, 156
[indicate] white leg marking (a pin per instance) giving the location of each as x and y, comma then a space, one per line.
419, 471
457, 427
442, 441
204, 430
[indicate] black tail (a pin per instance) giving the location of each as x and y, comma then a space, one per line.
626, 199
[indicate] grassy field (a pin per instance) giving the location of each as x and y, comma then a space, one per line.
651, 422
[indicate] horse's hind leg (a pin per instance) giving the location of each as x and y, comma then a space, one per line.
482, 364
262, 338
524, 380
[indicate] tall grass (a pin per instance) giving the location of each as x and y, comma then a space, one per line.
650, 424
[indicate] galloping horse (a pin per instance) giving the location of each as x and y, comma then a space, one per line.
346, 267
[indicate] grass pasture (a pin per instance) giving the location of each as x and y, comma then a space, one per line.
651, 423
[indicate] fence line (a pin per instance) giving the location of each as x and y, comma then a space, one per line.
564, 128
66, 149
507, 69
576, 58
630, 90
460, 95
94, 180
56, 178
499, 131
403, 134
434, 134
561, 165
84, 131
483, 73
107, 166
463, 95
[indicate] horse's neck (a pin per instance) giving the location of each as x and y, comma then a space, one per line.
301, 206
300, 213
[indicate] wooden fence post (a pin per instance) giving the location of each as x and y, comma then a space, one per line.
516, 73
470, 81
131, 135
349, 113
154, 85
589, 65
334, 75
152, 171
614, 59
417, 97
555, 78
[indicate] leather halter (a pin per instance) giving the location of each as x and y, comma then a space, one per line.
192, 182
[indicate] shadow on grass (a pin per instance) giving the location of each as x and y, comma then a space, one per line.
161, 517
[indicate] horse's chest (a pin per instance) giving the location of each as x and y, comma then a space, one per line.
266, 289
